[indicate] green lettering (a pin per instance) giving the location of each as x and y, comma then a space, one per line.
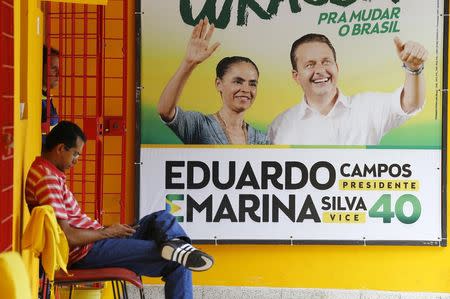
414, 203
365, 28
376, 14
208, 10
385, 27
295, 6
355, 16
356, 29
393, 27
395, 13
242, 14
366, 15
332, 18
322, 17
344, 30
342, 18
316, 2
272, 9
343, 3
382, 209
385, 14
375, 29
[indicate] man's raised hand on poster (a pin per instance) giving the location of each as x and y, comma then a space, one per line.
413, 55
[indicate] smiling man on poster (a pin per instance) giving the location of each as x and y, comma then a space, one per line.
328, 117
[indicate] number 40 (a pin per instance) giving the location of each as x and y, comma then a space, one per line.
383, 209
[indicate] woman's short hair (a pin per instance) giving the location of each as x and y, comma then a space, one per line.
223, 65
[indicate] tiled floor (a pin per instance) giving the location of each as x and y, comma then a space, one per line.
208, 292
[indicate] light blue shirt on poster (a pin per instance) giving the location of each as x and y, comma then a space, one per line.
196, 128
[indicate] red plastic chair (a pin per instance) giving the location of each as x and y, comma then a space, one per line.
117, 276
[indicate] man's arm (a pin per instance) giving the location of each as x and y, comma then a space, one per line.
413, 55
80, 236
197, 51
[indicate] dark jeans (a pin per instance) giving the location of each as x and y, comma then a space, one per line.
141, 253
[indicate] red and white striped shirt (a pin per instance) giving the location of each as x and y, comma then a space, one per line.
46, 185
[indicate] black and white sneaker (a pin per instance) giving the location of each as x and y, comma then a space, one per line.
187, 255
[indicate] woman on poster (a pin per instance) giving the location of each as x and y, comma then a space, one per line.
236, 81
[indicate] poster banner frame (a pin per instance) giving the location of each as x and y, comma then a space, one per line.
138, 152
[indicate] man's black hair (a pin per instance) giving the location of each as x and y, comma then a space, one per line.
309, 38
223, 65
65, 132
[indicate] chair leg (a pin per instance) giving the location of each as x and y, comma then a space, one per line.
141, 292
43, 289
119, 290
120, 294
115, 289
124, 289
46, 288
70, 291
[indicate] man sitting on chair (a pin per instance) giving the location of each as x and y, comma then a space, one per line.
156, 246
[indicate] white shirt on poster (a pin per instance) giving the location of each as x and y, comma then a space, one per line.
362, 119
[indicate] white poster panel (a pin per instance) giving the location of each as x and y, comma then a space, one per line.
289, 194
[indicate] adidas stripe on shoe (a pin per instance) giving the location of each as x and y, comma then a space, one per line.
187, 255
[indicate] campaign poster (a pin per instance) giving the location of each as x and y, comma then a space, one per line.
366, 171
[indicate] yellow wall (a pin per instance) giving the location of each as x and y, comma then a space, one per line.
27, 86
398, 268
27, 89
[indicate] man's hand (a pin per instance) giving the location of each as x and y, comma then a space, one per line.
198, 47
412, 54
118, 231
82, 236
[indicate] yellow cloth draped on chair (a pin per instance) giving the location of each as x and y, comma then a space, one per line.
44, 237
